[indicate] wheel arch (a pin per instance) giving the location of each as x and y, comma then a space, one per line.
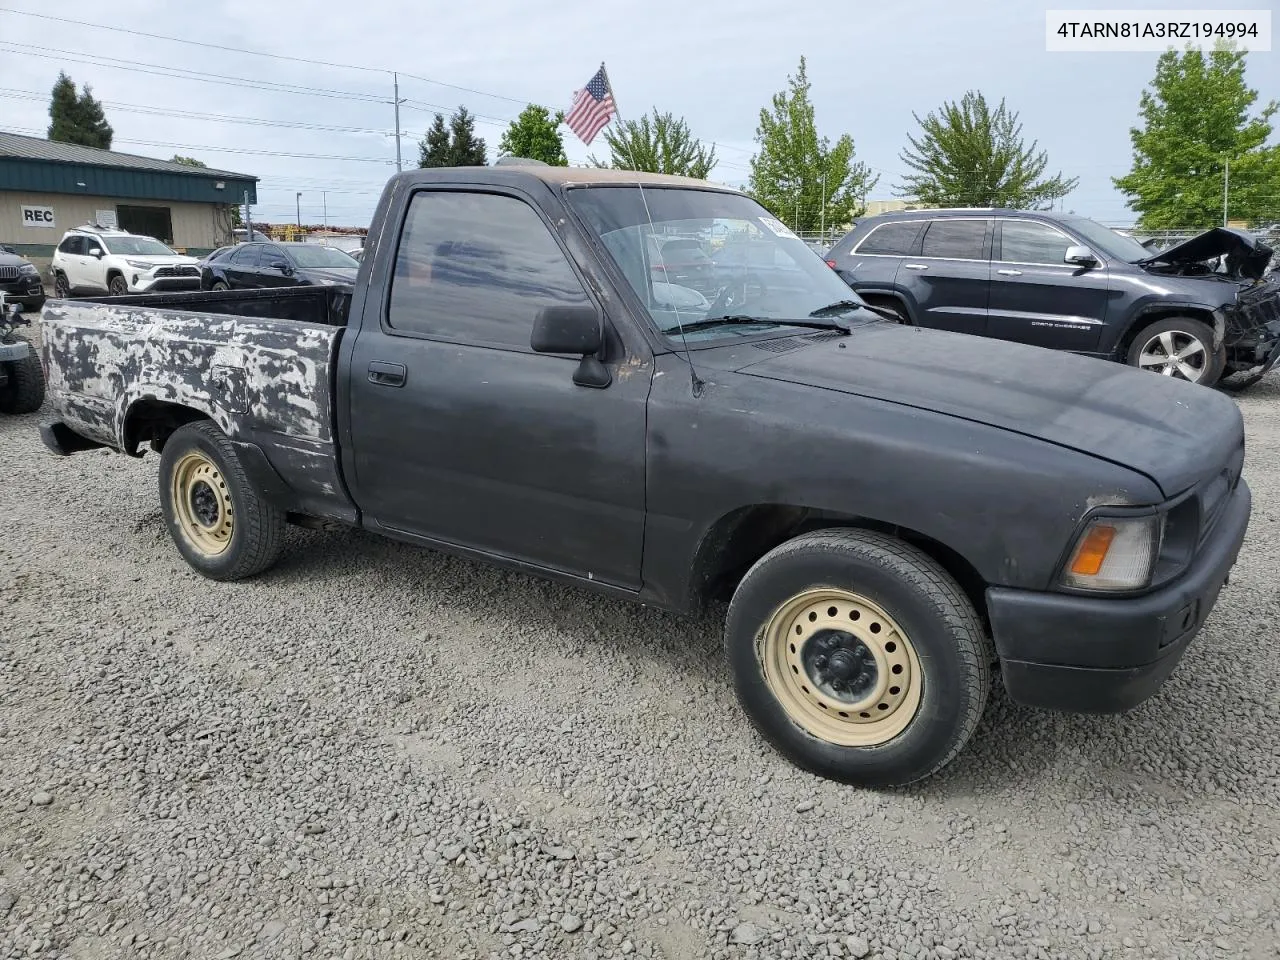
1163, 311
152, 420
735, 541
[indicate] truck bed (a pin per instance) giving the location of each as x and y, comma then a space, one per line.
260, 363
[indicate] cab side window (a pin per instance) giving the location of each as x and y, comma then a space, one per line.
477, 268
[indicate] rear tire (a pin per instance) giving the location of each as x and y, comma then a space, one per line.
858, 657
24, 393
1178, 347
221, 525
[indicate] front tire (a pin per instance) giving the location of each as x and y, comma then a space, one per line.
858, 657
1178, 347
24, 393
61, 289
219, 286
221, 525
118, 287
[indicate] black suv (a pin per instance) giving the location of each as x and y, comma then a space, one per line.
1199, 310
20, 280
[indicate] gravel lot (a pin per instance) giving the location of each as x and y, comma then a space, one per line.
379, 751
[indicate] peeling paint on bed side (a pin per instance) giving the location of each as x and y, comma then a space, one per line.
247, 374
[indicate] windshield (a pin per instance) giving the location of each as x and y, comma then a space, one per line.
695, 255
1114, 245
314, 255
137, 245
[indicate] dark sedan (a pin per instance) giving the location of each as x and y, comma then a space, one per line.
256, 265
20, 281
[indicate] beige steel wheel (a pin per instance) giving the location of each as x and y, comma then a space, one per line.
858, 657
202, 504
841, 668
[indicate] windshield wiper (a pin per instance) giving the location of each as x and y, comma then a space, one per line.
745, 320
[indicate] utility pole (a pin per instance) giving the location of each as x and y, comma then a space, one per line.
248, 222
1226, 179
324, 199
396, 81
298, 200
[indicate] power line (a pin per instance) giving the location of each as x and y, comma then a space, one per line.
214, 117
244, 150
180, 73
256, 53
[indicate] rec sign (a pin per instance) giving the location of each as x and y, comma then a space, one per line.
38, 217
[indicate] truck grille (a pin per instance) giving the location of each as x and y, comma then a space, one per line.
178, 272
9, 273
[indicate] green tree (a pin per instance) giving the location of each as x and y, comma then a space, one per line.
77, 117
188, 161
801, 177
662, 144
1196, 135
535, 134
453, 146
968, 155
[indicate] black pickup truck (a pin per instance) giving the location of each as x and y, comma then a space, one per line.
892, 513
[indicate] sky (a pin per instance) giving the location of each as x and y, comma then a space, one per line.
871, 66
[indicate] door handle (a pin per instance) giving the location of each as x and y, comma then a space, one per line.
386, 374
1009, 273
916, 266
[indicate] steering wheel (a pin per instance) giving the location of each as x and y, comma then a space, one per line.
737, 292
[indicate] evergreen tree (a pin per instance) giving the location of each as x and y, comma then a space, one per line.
77, 117
968, 155
455, 145
467, 149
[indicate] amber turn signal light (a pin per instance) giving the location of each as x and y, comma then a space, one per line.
1093, 551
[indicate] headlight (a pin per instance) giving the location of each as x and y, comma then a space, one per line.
29, 269
1115, 553
139, 264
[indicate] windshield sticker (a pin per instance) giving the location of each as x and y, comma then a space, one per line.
778, 227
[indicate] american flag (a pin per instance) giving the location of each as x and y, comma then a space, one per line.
592, 108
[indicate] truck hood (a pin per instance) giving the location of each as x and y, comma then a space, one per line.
1172, 431
1247, 256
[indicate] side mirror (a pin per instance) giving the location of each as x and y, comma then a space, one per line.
281, 266
1080, 255
95, 252
573, 330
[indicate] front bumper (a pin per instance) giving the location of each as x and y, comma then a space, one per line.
1108, 654
29, 293
146, 283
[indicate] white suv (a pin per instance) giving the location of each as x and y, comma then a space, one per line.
96, 260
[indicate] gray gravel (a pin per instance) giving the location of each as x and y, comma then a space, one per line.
377, 751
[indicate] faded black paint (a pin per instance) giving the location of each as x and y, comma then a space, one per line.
991, 453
